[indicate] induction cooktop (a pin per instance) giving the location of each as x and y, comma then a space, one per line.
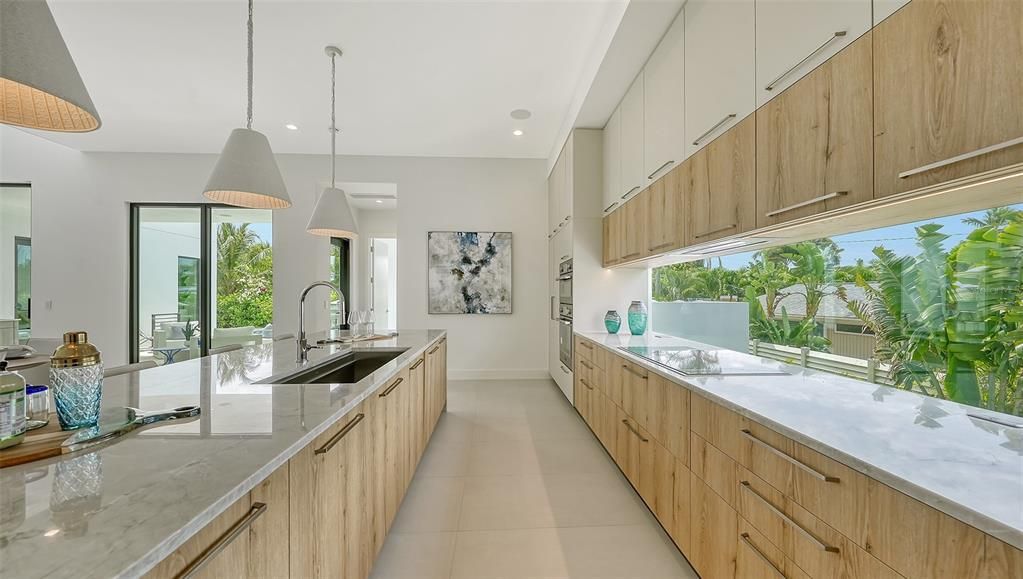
700, 362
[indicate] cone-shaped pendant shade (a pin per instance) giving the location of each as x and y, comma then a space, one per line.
332, 216
246, 174
40, 87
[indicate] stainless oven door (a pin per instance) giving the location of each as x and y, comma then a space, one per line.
565, 290
565, 342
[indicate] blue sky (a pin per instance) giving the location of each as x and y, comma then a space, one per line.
899, 238
263, 230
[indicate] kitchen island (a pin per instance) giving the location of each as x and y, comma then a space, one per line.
794, 472
140, 504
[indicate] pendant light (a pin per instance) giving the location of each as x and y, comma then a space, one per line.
246, 174
40, 87
332, 215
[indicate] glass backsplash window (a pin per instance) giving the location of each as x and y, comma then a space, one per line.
935, 307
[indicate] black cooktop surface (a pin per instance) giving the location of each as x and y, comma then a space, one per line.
697, 362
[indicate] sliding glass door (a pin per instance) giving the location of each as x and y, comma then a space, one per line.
201, 280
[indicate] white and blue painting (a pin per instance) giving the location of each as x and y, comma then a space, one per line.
470, 272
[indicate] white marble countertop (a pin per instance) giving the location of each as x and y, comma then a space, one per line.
118, 510
930, 449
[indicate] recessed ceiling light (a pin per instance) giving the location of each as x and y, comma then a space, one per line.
517, 132
521, 114
380, 200
51, 532
291, 127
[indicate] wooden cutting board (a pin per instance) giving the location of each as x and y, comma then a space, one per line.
38, 444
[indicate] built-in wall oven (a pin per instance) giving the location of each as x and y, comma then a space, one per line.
565, 313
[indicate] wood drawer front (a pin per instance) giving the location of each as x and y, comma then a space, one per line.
681, 533
667, 410
716, 469
716, 424
591, 352
232, 561
627, 446
757, 558
830, 490
657, 479
635, 387
816, 548
591, 373
1001, 560
714, 525
919, 541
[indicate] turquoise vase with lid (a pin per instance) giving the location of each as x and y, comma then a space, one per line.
637, 318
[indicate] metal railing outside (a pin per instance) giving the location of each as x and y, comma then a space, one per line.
869, 370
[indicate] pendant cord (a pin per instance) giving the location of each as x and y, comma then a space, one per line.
333, 124
248, 121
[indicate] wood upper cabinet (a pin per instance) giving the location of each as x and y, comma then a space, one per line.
948, 82
664, 120
612, 162
719, 185
633, 178
665, 213
794, 36
720, 91
814, 144
632, 227
613, 238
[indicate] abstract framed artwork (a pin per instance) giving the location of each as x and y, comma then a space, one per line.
470, 272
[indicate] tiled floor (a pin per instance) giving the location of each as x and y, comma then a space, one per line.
514, 485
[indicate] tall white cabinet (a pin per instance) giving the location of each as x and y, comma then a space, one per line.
633, 180
663, 104
612, 140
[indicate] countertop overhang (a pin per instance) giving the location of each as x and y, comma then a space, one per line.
935, 451
118, 510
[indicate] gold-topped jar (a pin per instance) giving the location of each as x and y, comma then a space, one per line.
76, 376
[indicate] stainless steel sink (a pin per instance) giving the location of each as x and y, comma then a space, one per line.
347, 369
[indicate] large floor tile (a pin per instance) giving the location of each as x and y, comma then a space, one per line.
519, 457
454, 428
534, 501
432, 504
633, 551
526, 426
444, 460
415, 556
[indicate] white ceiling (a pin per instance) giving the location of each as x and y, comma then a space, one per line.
423, 78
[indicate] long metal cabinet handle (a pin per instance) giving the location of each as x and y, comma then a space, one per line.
760, 555
255, 511
625, 421
341, 434
959, 158
802, 204
610, 207
586, 345
658, 170
816, 51
633, 372
813, 539
718, 230
716, 126
586, 384
418, 363
586, 364
629, 192
662, 246
435, 348
392, 387
630, 255
813, 472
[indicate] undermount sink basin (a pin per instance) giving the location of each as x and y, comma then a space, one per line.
348, 369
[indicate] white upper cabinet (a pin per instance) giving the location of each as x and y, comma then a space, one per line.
885, 8
612, 162
559, 190
664, 104
633, 177
720, 68
794, 36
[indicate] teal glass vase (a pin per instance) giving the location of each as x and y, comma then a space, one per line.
637, 318
612, 321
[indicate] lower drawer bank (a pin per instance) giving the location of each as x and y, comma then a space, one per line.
326, 512
747, 501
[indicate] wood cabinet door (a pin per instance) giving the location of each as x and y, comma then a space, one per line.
612, 162
668, 415
794, 36
681, 533
757, 558
657, 478
229, 552
627, 447
417, 409
665, 213
720, 187
606, 241
269, 555
375, 409
814, 142
633, 227
663, 103
635, 380
948, 82
316, 505
396, 417
720, 91
714, 527
434, 385
357, 502
632, 154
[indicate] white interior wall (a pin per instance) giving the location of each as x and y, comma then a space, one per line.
15, 221
80, 246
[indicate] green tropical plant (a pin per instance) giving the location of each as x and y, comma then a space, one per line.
997, 217
767, 278
812, 265
244, 277
802, 334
